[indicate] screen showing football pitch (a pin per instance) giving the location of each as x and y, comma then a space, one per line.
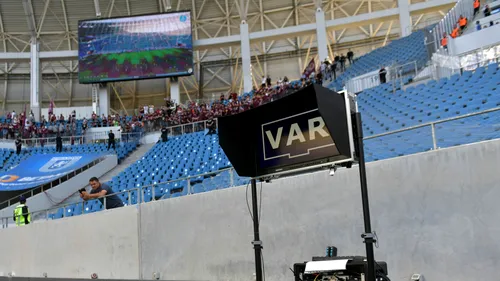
133, 48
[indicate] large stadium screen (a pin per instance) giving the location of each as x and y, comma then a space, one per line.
131, 48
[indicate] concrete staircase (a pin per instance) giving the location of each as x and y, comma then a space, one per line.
132, 158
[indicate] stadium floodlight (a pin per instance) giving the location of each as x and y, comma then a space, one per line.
97, 8
167, 5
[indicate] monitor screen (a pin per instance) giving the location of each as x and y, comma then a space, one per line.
132, 48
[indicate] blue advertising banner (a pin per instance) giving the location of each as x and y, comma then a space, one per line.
41, 169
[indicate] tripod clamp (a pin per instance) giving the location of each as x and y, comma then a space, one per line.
257, 244
370, 238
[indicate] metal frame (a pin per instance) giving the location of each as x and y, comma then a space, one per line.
352, 159
215, 35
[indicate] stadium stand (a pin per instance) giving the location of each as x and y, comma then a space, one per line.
162, 166
165, 167
398, 52
385, 111
11, 159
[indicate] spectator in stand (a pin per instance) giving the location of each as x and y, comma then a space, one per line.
478, 25
444, 41
327, 72
487, 11
342, 62
350, 57
164, 134
319, 78
100, 191
211, 126
333, 69
268, 81
19, 145
476, 6
382, 75
456, 32
323, 67
337, 59
462, 21
111, 140
59, 145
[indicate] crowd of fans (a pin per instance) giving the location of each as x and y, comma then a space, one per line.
149, 117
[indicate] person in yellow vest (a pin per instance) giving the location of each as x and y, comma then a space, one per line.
22, 215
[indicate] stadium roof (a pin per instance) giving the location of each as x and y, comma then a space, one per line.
55, 21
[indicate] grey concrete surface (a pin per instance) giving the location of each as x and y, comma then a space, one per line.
104, 243
131, 159
436, 214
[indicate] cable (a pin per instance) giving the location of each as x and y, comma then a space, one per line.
260, 202
263, 266
295, 274
317, 277
248, 205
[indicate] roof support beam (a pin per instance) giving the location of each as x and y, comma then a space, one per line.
272, 34
30, 17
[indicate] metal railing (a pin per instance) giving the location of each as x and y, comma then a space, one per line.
445, 66
193, 127
82, 139
446, 25
132, 196
432, 126
47, 186
395, 74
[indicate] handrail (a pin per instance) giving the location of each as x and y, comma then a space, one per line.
67, 139
433, 123
450, 65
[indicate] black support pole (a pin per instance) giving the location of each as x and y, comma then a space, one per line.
257, 244
368, 237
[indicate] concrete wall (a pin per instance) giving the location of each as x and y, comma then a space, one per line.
43, 201
104, 243
472, 41
435, 214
